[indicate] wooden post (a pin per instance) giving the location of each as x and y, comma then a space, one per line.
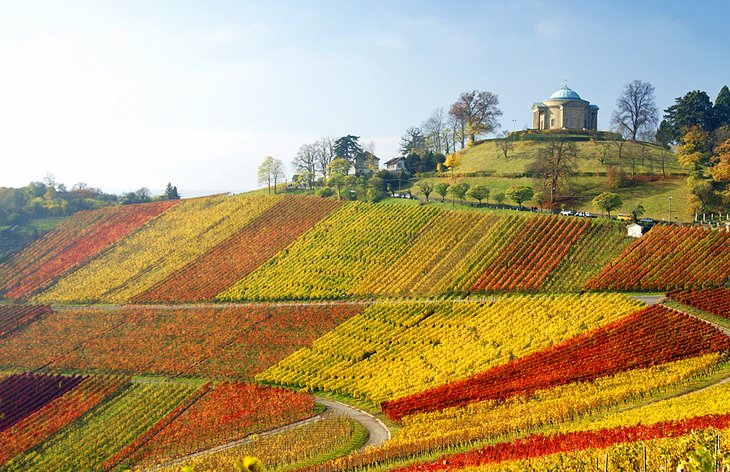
606, 462
717, 452
645, 458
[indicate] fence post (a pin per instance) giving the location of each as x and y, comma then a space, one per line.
644, 457
717, 452
606, 462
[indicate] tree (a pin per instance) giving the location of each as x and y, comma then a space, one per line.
499, 197
170, 192
348, 147
607, 201
452, 162
459, 191
434, 129
618, 140
426, 188
555, 163
338, 170
456, 130
305, 163
541, 199
519, 194
637, 212
413, 142
479, 193
477, 111
721, 109
504, 144
277, 171
693, 109
142, 195
720, 169
636, 108
695, 149
324, 150
270, 171
442, 189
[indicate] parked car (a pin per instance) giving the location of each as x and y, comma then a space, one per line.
585, 214
647, 222
567, 212
624, 217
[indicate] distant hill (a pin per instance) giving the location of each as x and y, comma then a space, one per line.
656, 174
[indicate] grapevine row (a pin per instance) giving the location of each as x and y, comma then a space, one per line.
655, 335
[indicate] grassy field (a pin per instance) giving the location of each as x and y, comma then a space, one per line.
594, 159
654, 196
646, 157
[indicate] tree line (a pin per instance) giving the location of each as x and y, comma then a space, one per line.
48, 198
700, 131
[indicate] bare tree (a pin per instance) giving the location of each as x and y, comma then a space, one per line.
277, 171
555, 163
635, 109
433, 129
305, 162
412, 142
457, 131
504, 144
325, 153
478, 111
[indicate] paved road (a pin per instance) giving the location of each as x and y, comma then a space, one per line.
650, 299
379, 433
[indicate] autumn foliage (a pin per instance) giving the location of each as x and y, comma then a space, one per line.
539, 445
234, 259
77, 240
669, 258
716, 301
209, 341
651, 336
225, 413
38, 426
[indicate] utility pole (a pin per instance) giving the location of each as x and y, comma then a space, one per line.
670, 209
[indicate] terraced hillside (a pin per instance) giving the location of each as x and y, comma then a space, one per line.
482, 340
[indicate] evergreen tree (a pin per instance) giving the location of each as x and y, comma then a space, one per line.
694, 109
721, 110
171, 192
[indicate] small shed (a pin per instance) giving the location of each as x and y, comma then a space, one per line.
634, 230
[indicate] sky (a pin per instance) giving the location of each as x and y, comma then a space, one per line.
127, 94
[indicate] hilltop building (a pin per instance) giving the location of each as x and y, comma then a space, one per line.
366, 163
565, 110
397, 164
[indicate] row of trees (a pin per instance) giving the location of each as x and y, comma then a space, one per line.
472, 115
518, 193
701, 131
52, 199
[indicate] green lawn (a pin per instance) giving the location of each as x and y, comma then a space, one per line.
488, 157
654, 196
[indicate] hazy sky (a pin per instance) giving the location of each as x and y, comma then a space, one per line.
122, 94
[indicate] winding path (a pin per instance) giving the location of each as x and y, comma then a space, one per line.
379, 433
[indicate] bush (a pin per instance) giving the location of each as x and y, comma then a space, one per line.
326, 192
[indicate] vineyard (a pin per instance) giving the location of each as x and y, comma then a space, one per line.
669, 258
198, 332
211, 342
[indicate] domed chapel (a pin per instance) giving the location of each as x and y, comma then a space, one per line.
565, 110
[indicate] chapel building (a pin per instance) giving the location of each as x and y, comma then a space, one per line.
565, 110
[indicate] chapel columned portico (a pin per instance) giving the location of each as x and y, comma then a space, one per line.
565, 110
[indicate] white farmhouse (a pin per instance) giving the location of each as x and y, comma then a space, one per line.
634, 230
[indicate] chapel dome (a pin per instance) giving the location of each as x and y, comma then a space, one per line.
565, 94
